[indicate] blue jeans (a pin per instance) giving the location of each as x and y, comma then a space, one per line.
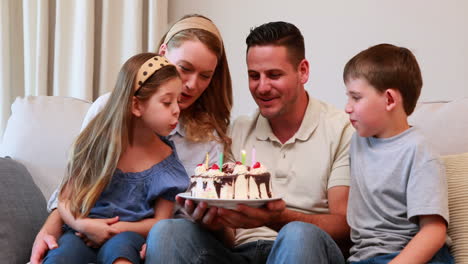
182, 241
72, 249
442, 256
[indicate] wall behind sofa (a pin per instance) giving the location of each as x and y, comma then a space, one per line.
336, 30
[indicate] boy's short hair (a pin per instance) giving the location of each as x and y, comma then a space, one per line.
279, 34
387, 66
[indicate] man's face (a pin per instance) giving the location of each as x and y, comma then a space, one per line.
275, 84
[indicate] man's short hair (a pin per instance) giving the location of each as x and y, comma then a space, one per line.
387, 66
279, 34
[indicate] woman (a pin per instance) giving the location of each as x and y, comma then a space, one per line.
195, 46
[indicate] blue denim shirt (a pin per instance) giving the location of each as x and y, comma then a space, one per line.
131, 195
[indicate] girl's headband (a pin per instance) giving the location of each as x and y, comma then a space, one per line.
193, 22
147, 69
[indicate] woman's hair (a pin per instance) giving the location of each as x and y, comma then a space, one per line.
212, 110
95, 153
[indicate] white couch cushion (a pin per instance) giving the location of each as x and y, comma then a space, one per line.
39, 133
445, 124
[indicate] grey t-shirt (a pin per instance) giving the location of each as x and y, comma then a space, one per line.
393, 180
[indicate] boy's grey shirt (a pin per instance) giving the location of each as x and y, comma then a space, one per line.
393, 180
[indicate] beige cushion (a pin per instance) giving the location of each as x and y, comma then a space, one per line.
457, 177
445, 124
39, 133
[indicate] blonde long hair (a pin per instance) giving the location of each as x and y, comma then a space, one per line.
212, 110
95, 153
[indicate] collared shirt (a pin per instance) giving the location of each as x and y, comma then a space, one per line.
303, 168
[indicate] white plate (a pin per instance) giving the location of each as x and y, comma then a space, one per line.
228, 203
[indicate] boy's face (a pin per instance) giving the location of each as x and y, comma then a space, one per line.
366, 108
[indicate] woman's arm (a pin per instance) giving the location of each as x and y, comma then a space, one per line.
47, 237
163, 210
426, 243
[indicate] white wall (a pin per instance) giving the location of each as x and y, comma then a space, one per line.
334, 31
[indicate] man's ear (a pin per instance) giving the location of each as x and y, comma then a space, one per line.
303, 69
392, 98
136, 107
162, 49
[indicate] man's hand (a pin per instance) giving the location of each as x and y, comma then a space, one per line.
207, 217
43, 243
97, 231
247, 217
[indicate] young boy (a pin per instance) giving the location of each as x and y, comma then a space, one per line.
398, 208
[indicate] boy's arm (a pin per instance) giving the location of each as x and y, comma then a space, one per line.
163, 209
426, 243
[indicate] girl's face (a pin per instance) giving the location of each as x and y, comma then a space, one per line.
196, 65
161, 111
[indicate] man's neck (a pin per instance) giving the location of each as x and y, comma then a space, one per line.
285, 126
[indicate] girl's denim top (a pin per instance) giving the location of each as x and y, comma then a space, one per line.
131, 195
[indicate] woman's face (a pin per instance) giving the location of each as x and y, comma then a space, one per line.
196, 65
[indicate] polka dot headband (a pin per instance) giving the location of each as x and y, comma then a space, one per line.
148, 69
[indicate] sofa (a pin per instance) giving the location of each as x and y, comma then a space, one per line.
41, 129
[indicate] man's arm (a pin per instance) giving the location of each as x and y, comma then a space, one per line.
334, 223
272, 216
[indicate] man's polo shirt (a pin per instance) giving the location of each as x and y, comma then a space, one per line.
303, 168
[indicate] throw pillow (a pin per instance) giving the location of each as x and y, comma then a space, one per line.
457, 179
23, 210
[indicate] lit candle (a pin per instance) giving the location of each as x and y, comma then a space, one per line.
220, 161
253, 156
207, 160
243, 155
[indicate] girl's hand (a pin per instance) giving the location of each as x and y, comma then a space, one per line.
97, 231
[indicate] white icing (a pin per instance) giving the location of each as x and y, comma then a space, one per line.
240, 169
214, 173
199, 170
259, 170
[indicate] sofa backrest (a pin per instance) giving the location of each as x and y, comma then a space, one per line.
39, 133
445, 124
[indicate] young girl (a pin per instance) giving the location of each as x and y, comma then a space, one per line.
196, 47
123, 175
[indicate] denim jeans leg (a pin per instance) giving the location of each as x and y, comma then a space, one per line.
125, 245
71, 250
255, 252
299, 242
182, 241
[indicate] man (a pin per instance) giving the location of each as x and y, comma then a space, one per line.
304, 144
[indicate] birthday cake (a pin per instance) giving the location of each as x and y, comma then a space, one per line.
232, 181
